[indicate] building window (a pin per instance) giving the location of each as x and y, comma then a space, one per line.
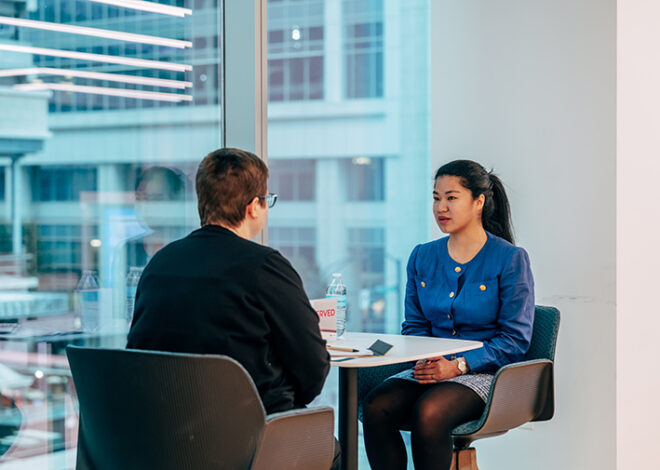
3, 185
293, 180
5, 238
366, 247
295, 50
62, 183
59, 247
363, 46
365, 177
294, 242
298, 245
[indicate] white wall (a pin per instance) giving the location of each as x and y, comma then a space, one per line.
529, 87
638, 252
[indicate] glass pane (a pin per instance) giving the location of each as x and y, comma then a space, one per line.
352, 175
98, 155
349, 157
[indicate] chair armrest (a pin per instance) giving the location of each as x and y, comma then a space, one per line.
297, 439
519, 393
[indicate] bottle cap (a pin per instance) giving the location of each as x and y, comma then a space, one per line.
336, 274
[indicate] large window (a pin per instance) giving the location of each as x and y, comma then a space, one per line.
100, 150
351, 165
101, 130
355, 170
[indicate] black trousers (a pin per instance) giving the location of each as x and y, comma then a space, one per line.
430, 412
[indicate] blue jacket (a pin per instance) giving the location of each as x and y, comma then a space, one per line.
489, 299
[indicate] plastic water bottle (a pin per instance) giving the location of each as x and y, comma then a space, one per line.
337, 290
88, 293
132, 281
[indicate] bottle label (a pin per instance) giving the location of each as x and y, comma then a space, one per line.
90, 296
341, 300
90, 310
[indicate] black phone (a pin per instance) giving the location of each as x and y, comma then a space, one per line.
380, 348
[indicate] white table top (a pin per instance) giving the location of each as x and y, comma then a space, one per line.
406, 348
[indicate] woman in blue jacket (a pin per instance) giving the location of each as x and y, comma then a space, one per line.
474, 284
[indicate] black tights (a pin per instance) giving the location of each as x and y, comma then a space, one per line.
431, 411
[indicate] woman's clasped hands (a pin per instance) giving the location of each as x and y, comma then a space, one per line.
434, 370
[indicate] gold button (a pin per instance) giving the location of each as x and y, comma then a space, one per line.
457, 269
423, 284
449, 316
482, 287
453, 333
451, 295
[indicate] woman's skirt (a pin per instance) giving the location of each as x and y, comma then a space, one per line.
479, 382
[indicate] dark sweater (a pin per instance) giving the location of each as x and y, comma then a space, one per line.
214, 292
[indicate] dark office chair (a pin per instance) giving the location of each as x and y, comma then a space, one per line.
144, 409
520, 392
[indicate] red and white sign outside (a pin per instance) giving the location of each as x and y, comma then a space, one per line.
326, 309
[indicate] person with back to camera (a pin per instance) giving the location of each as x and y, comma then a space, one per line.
217, 292
475, 285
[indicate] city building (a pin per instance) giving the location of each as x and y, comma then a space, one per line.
348, 143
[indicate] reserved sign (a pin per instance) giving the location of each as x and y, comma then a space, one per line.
326, 309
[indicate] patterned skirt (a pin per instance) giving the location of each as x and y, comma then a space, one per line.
479, 383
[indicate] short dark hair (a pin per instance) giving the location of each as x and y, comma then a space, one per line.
227, 180
496, 214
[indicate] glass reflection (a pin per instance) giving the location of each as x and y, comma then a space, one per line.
100, 135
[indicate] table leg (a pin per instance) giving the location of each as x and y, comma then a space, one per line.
348, 417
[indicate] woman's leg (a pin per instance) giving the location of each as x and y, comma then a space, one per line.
439, 410
386, 409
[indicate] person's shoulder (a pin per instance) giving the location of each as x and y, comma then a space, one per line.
218, 234
428, 254
273, 257
504, 250
499, 243
433, 246
171, 248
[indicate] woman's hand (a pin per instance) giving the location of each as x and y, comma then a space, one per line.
434, 370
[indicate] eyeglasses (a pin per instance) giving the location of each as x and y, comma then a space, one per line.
271, 199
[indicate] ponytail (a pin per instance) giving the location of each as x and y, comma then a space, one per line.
496, 214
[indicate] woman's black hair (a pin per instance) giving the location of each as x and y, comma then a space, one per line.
496, 215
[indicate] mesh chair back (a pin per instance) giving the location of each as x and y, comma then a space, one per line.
543, 345
141, 409
544, 336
